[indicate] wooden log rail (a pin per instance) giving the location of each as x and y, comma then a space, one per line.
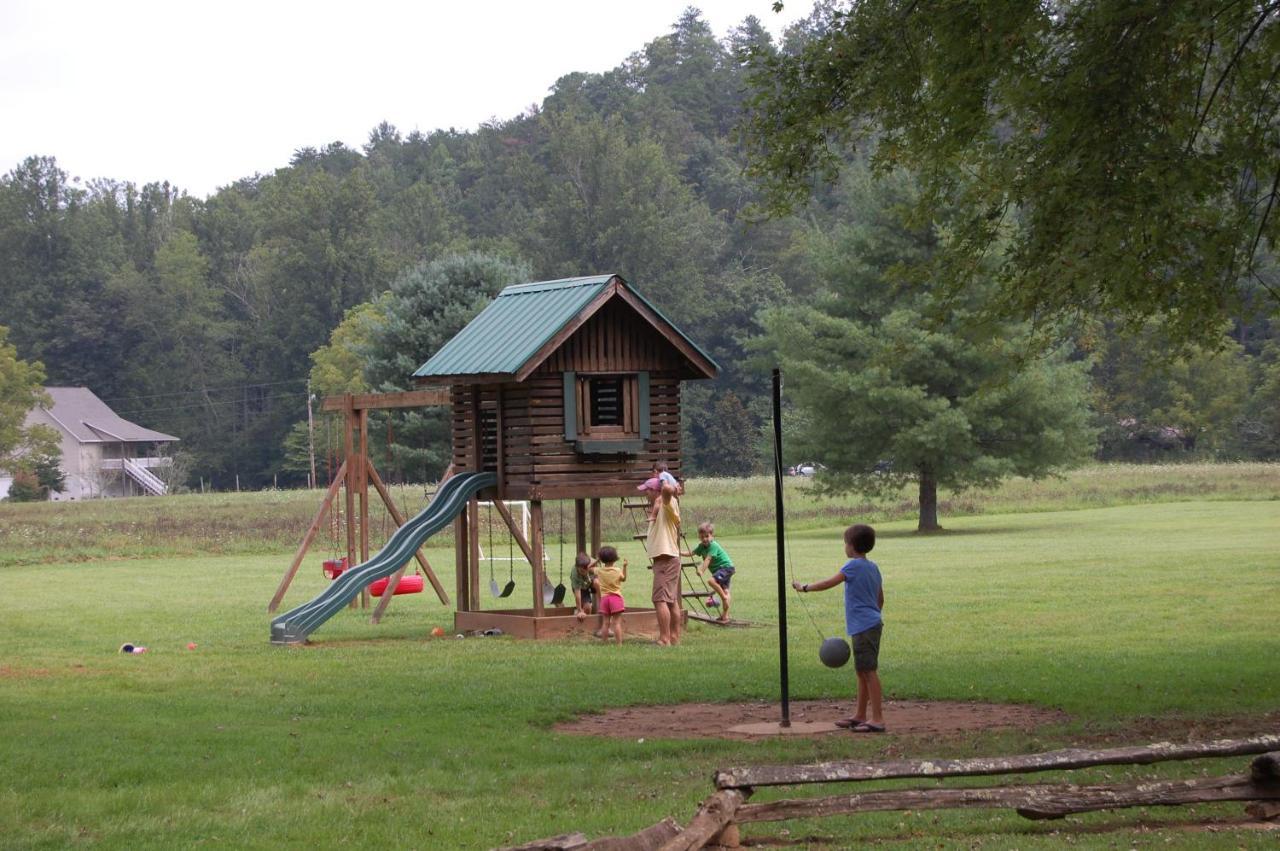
1261, 785
836, 772
718, 818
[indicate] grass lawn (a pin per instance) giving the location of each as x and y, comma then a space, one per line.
1127, 618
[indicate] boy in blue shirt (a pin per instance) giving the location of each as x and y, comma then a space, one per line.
863, 602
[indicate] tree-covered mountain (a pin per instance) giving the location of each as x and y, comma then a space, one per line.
205, 318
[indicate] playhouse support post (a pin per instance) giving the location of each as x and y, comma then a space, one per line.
595, 526
460, 546
538, 546
473, 570
580, 527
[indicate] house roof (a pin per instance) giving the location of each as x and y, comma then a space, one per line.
88, 419
526, 322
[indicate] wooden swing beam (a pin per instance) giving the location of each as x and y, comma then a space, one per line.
307, 539
356, 472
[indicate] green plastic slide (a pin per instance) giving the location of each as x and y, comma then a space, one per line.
295, 625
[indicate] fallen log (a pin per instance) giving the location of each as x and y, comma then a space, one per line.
563, 842
833, 772
1169, 794
715, 813
1264, 810
650, 839
1034, 801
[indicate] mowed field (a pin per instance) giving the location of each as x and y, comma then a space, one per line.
1140, 603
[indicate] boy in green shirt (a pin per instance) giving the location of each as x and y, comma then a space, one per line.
717, 562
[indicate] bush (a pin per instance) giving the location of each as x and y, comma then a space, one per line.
26, 487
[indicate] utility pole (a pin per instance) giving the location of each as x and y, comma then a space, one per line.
311, 434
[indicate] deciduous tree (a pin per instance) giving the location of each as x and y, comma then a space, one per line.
1133, 143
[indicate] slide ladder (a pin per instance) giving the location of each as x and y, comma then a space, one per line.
295, 625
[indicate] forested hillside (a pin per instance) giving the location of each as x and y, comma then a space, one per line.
200, 317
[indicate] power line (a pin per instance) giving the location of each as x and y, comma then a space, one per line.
299, 396
205, 390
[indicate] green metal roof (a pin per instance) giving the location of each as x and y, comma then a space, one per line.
517, 324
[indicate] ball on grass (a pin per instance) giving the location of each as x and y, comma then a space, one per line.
437, 632
834, 652
192, 645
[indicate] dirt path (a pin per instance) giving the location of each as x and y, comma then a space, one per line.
812, 717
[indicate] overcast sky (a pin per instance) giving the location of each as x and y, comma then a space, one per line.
202, 94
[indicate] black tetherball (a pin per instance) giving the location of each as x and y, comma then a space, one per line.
834, 652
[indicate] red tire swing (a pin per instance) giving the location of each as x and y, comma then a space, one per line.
411, 584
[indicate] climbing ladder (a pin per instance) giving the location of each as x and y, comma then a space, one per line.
640, 522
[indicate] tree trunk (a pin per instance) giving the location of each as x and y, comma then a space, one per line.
928, 502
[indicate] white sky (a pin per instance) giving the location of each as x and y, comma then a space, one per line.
202, 94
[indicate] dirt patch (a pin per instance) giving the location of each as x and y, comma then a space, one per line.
714, 720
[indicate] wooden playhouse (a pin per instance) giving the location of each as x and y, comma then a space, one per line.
565, 390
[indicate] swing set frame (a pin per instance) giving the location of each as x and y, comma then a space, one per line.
353, 477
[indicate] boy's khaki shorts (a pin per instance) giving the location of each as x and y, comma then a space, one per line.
866, 649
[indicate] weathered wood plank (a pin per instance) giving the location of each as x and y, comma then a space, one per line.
650, 839
563, 842
1171, 794
711, 818
427, 397
1034, 801
1264, 810
833, 772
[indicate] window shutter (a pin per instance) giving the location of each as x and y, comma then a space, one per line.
571, 406
642, 390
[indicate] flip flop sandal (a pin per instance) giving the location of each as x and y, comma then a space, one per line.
867, 727
849, 723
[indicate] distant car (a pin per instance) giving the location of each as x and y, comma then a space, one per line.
807, 468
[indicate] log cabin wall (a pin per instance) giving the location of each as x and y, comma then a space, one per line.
526, 435
614, 340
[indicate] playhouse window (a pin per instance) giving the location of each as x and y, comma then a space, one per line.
607, 414
606, 401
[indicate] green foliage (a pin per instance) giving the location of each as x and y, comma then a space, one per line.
1132, 143
894, 393
1152, 405
425, 307
725, 438
1258, 426
49, 473
200, 318
21, 391
338, 367
26, 487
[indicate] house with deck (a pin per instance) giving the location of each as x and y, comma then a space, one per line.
103, 454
